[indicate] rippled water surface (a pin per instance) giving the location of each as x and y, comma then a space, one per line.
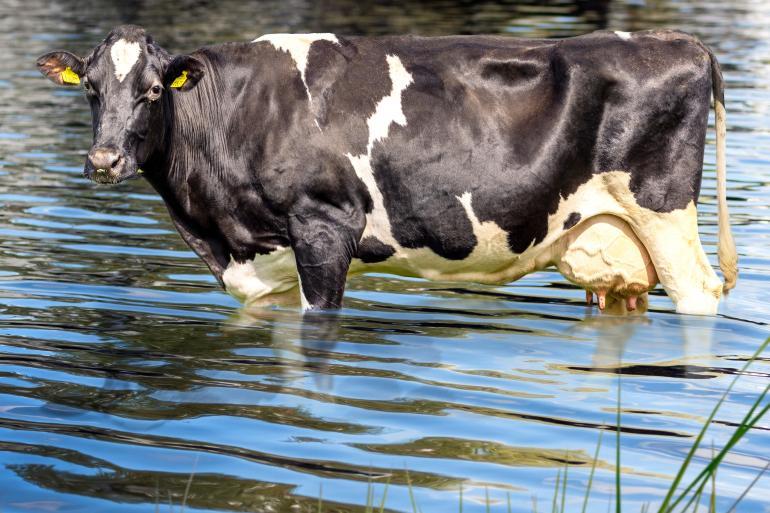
124, 369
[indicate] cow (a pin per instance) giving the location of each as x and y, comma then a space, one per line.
288, 162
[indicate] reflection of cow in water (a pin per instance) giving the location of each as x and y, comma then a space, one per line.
292, 160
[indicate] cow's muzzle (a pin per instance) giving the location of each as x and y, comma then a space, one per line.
105, 165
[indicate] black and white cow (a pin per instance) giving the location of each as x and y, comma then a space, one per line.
298, 158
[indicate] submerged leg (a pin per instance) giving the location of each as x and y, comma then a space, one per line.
681, 264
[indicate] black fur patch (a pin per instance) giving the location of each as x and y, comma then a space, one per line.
372, 250
572, 220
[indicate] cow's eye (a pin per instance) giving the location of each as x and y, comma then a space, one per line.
154, 93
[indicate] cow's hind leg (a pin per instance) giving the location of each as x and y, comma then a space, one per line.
681, 264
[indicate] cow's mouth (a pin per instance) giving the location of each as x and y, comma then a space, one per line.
103, 176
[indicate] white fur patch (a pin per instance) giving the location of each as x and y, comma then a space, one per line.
303, 300
266, 274
388, 111
124, 56
623, 35
298, 46
492, 251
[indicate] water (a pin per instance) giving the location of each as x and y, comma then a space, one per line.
124, 369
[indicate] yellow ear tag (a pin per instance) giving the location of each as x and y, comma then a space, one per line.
69, 77
180, 80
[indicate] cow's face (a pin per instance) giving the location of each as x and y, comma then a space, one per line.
126, 79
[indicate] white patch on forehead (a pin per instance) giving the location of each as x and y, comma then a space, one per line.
389, 110
124, 55
298, 46
623, 35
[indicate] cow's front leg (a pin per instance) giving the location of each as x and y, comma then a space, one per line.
325, 239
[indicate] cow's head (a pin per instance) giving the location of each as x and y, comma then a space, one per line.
126, 79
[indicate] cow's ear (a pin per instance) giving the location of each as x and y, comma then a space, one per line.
63, 68
183, 72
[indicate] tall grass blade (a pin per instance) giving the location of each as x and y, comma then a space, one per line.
713, 508
461, 497
745, 425
320, 497
508, 494
664, 507
384, 495
564, 482
534, 504
411, 493
189, 484
556, 491
486, 492
748, 489
698, 495
617, 451
593, 469
369, 496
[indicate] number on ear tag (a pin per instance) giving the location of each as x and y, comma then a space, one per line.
69, 77
180, 80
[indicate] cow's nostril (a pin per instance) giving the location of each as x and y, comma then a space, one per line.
105, 159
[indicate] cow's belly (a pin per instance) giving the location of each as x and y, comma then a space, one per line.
275, 273
600, 254
490, 261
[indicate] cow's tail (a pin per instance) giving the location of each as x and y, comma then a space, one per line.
728, 256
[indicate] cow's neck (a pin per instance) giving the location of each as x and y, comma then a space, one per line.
206, 178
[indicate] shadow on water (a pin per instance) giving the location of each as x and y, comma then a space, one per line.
124, 369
